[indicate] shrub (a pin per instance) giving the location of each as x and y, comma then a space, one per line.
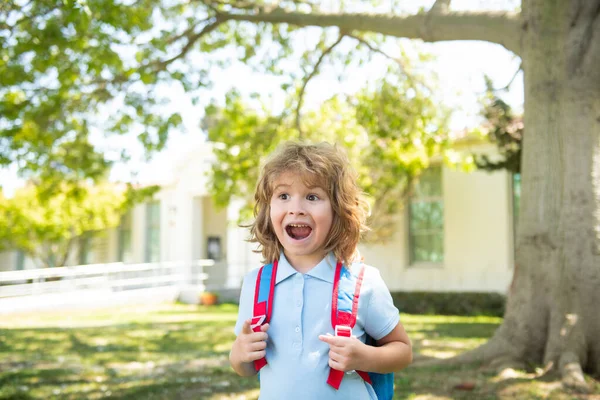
450, 303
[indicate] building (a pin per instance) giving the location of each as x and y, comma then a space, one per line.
456, 233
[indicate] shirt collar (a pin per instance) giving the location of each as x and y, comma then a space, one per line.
324, 270
284, 269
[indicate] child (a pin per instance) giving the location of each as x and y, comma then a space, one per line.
309, 214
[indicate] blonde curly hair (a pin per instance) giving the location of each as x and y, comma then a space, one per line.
328, 167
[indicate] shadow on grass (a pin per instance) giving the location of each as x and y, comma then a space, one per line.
215, 382
33, 377
458, 382
455, 330
48, 343
39, 362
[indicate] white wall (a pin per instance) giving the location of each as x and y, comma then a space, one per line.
240, 257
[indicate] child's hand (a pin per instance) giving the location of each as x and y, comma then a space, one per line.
251, 345
345, 353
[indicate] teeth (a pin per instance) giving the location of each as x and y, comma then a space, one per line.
298, 226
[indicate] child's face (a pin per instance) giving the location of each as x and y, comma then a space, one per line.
301, 217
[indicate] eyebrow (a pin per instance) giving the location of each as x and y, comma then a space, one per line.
281, 184
285, 185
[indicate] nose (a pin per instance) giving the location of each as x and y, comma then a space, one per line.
296, 208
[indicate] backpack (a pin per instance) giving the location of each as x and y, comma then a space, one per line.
344, 309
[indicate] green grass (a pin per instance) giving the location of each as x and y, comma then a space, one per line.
180, 352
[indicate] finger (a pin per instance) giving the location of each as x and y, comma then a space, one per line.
335, 365
338, 362
329, 339
259, 337
334, 356
256, 355
246, 328
258, 346
333, 341
265, 327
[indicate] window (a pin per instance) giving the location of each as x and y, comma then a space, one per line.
125, 252
85, 249
152, 232
426, 219
20, 260
213, 248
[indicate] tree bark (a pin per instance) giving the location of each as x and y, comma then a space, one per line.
552, 314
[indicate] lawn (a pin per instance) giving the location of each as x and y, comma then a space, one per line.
180, 352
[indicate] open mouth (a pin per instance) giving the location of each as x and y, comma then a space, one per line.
298, 231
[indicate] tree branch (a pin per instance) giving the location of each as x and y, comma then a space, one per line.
187, 33
239, 5
192, 39
440, 7
65, 253
496, 27
25, 17
505, 88
159, 65
377, 50
412, 78
309, 77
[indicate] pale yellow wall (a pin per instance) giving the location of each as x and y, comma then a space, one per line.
113, 245
138, 233
101, 248
478, 251
215, 224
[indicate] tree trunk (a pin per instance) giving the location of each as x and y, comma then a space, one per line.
552, 310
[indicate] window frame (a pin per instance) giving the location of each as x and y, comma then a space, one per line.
412, 261
126, 225
151, 226
85, 249
20, 260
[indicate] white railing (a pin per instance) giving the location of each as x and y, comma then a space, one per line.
115, 277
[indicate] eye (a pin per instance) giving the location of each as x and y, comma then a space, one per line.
312, 197
283, 196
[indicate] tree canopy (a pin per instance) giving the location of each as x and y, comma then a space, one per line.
71, 69
48, 227
76, 71
390, 130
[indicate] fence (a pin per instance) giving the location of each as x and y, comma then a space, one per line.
97, 283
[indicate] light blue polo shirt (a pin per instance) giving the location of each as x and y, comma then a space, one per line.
297, 361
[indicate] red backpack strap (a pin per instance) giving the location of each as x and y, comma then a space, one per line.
344, 310
263, 302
